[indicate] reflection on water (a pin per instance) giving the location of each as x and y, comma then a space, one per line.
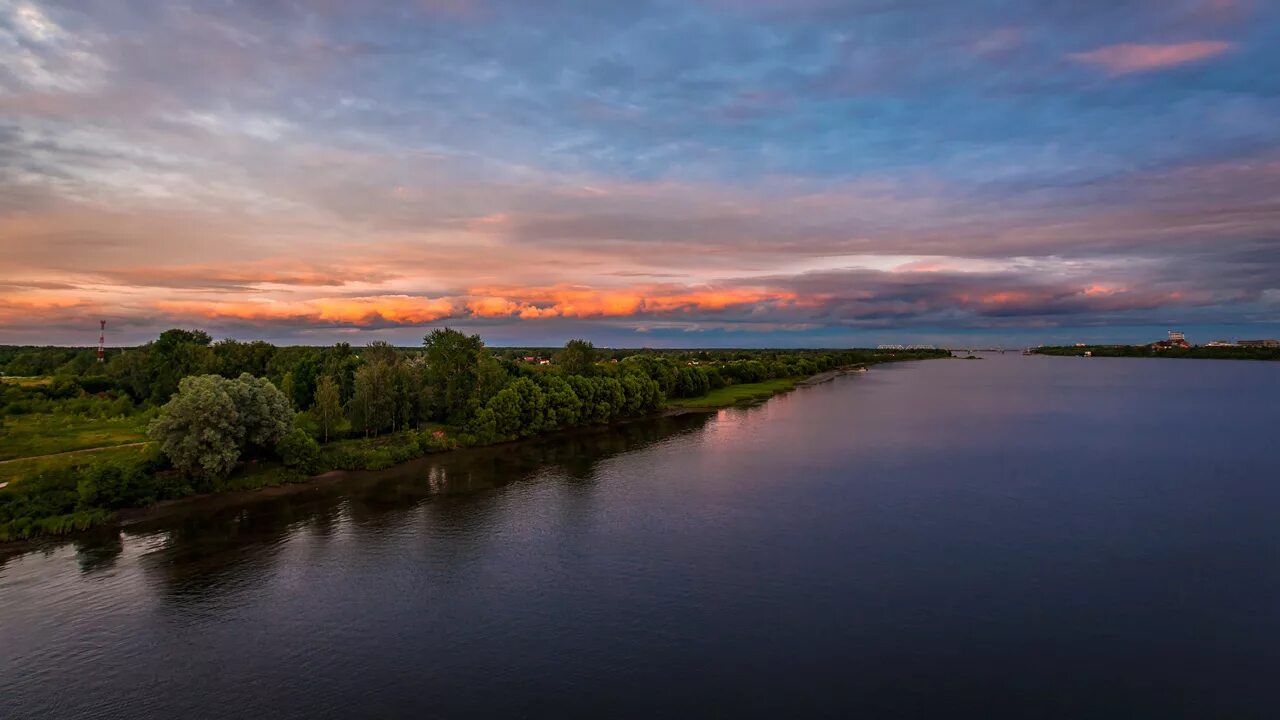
1014, 537
216, 542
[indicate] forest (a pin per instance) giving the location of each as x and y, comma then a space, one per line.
183, 415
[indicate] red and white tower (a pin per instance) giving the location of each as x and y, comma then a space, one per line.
102, 341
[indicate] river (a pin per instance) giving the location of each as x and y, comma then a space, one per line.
1006, 537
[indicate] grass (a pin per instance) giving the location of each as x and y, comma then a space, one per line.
737, 394
28, 380
28, 467
46, 433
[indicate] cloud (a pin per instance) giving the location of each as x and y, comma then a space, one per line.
745, 165
330, 312
241, 279
1129, 58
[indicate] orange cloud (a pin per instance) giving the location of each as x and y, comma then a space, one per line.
1101, 290
394, 309
1006, 297
583, 302
43, 308
1128, 58
492, 307
524, 303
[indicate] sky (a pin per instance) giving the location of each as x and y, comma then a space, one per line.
640, 172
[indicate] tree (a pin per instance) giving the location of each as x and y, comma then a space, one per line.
174, 355
299, 451
131, 370
327, 409
265, 413
212, 421
232, 357
564, 408
303, 364
199, 429
380, 351
505, 408
404, 393
577, 358
340, 362
372, 405
287, 386
456, 365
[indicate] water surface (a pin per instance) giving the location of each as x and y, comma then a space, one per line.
1010, 537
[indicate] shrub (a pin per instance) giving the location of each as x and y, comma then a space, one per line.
300, 451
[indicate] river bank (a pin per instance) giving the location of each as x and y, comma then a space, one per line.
338, 458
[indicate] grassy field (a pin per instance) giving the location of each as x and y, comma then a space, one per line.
45, 433
27, 467
737, 394
28, 381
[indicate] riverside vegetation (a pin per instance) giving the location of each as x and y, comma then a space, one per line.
182, 415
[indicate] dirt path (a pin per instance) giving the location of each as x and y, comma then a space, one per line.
75, 452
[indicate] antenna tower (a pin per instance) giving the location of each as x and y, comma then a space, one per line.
102, 341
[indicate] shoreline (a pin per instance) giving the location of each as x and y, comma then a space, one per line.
132, 517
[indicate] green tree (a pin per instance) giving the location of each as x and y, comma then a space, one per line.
174, 355
457, 367
131, 371
298, 450
287, 386
404, 391
199, 429
212, 421
303, 363
340, 362
265, 413
563, 408
372, 406
505, 409
380, 351
233, 358
327, 408
577, 358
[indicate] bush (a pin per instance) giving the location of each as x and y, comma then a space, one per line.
77, 497
300, 451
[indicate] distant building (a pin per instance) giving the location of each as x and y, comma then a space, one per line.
1177, 340
1220, 343
1259, 343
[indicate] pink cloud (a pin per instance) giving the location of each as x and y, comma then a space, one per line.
1129, 58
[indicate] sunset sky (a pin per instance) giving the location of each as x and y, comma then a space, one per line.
690, 172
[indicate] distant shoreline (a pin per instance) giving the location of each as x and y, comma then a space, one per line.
1199, 352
